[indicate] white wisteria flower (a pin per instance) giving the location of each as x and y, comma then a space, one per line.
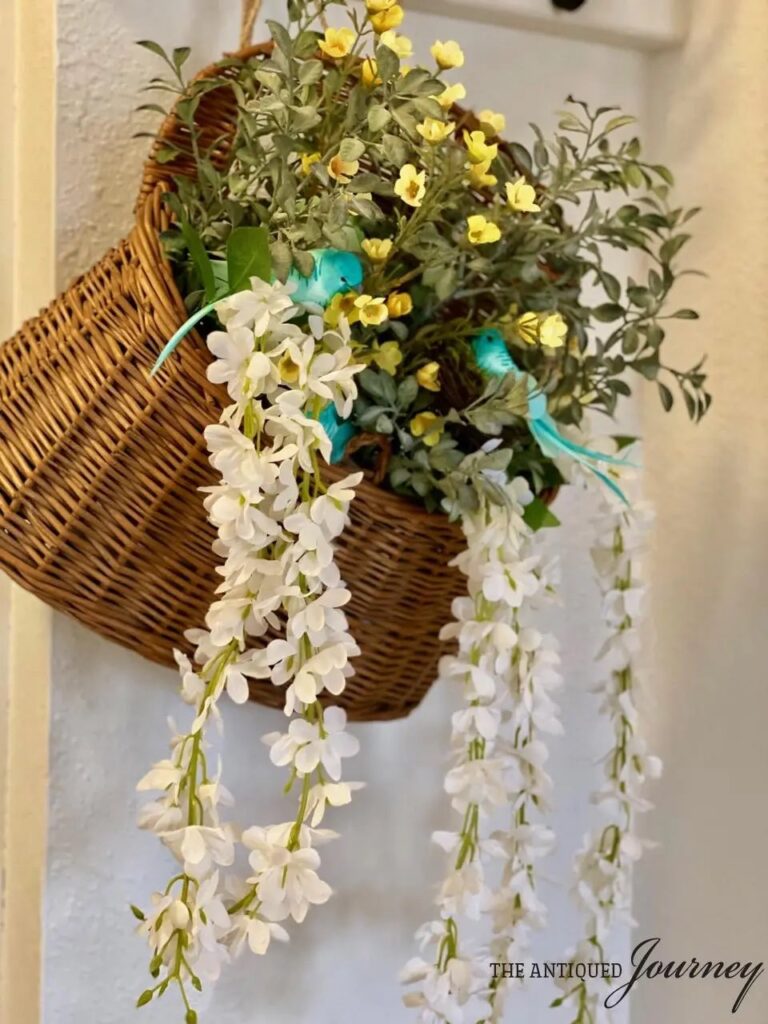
604, 864
276, 524
507, 670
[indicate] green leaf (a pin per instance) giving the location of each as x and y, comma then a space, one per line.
153, 47
666, 396
407, 391
685, 314
387, 63
378, 118
302, 119
618, 122
180, 56
282, 260
310, 72
538, 516
144, 998
200, 259
351, 149
248, 256
623, 441
138, 914
608, 312
281, 36
379, 385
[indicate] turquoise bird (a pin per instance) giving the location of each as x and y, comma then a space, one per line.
493, 358
334, 271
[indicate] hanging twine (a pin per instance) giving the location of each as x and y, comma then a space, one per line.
250, 13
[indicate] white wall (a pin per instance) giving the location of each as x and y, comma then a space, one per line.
109, 706
705, 891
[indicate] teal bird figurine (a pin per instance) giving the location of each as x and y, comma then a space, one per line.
334, 272
494, 360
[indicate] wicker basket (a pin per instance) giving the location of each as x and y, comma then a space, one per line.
100, 470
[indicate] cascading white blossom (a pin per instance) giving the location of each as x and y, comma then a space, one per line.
604, 865
276, 523
507, 670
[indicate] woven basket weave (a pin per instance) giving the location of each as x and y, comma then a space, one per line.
100, 470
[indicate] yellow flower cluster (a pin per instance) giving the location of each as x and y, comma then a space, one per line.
547, 329
411, 185
370, 310
337, 42
495, 123
521, 196
428, 426
384, 15
428, 376
434, 131
377, 249
342, 170
481, 231
386, 356
401, 45
447, 55
450, 95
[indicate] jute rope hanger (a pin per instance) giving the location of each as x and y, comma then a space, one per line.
248, 18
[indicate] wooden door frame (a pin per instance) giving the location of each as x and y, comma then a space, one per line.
27, 281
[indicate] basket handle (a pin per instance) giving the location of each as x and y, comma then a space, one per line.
248, 18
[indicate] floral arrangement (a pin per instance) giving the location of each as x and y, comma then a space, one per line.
366, 258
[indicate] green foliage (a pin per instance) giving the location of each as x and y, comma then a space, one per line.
273, 198
247, 256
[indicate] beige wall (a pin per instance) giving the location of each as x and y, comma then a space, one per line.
705, 890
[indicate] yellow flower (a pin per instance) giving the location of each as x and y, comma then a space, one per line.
307, 159
447, 55
338, 42
342, 170
552, 331
429, 426
521, 196
496, 122
399, 304
481, 231
387, 356
288, 369
341, 306
479, 176
434, 131
478, 150
369, 72
428, 376
388, 19
450, 95
377, 249
371, 311
401, 45
527, 327
411, 185
376, 6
